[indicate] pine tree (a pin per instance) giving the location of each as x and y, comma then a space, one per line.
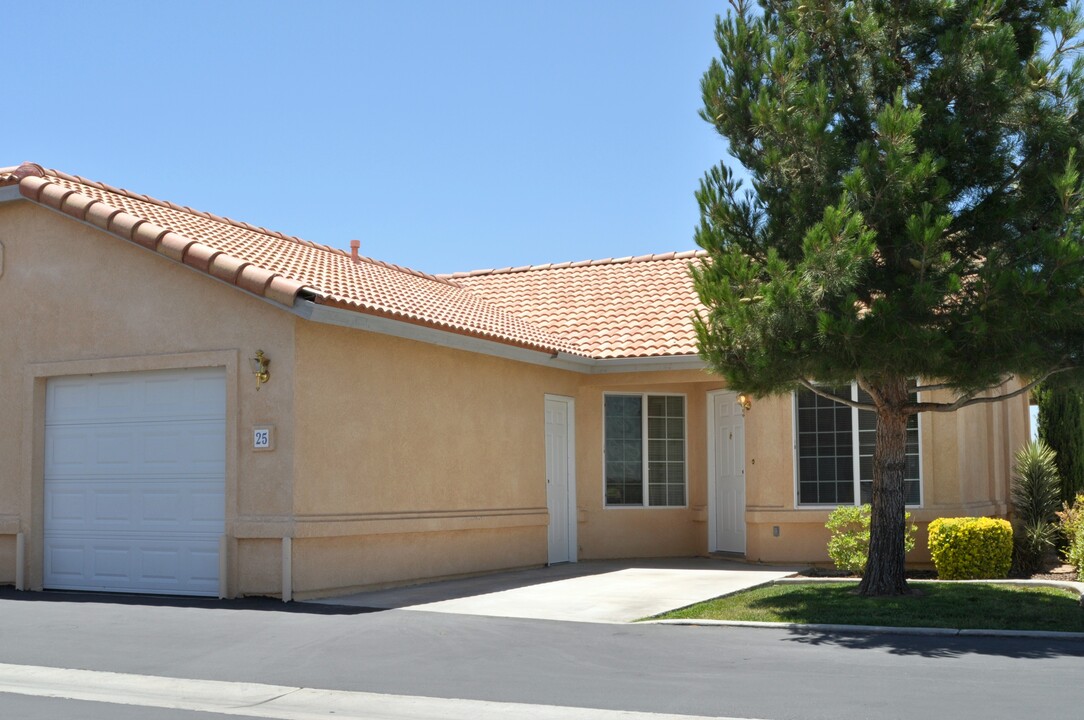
914, 213
1061, 427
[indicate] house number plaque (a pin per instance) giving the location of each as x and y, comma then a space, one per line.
263, 437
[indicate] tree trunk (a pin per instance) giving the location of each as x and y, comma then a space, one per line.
888, 526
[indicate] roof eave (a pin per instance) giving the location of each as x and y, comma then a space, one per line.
395, 327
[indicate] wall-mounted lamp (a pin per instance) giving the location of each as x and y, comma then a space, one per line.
259, 368
745, 402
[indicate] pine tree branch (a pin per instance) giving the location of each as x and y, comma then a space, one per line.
835, 398
971, 399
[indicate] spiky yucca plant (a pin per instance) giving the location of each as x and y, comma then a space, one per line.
1035, 495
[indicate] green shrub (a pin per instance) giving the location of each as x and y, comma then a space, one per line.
970, 548
1035, 495
849, 544
1071, 523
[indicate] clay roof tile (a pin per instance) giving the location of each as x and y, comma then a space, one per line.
615, 307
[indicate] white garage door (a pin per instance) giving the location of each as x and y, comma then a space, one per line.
135, 481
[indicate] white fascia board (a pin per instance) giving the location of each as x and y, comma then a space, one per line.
647, 364
9, 193
309, 310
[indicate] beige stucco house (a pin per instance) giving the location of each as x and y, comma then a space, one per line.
409, 426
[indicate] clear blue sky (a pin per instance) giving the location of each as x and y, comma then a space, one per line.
444, 135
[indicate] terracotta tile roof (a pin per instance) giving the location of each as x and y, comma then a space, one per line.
624, 307
614, 308
278, 266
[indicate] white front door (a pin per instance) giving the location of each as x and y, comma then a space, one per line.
728, 468
560, 481
135, 467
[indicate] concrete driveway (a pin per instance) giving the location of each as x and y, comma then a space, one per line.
611, 591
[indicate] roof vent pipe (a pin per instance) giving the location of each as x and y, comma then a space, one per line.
354, 245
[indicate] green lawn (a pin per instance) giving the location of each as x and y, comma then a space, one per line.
948, 605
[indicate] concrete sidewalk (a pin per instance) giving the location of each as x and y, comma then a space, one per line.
611, 591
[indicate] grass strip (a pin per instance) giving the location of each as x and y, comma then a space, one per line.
942, 605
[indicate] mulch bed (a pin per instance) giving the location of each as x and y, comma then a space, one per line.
1053, 571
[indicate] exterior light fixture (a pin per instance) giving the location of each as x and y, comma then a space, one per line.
259, 368
745, 402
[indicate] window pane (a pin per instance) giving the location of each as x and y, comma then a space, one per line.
656, 450
666, 450
911, 491
624, 450
825, 449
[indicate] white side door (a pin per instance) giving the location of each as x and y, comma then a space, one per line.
728, 468
560, 480
135, 481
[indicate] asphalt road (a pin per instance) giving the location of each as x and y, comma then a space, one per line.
706, 671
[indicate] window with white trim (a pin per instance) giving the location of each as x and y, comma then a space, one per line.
835, 450
635, 478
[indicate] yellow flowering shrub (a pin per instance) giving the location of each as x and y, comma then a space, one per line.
971, 548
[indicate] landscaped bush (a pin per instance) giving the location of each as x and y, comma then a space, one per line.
849, 544
970, 548
1035, 495
1071, 522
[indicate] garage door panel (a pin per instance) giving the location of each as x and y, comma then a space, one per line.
135, 481
117, 564
159, 564
133, 506
111, 563
65, 449
65, 561
70, 399
194, 447
129, 397
65, 505
111, 508
207, 506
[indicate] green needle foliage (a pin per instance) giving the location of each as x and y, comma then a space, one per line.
1061, 426
914, 210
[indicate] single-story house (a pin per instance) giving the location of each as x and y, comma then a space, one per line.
404, 427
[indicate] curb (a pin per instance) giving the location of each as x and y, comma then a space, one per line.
876, 629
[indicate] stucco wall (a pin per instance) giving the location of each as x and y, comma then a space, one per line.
79, 301
631, 532
415, 460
